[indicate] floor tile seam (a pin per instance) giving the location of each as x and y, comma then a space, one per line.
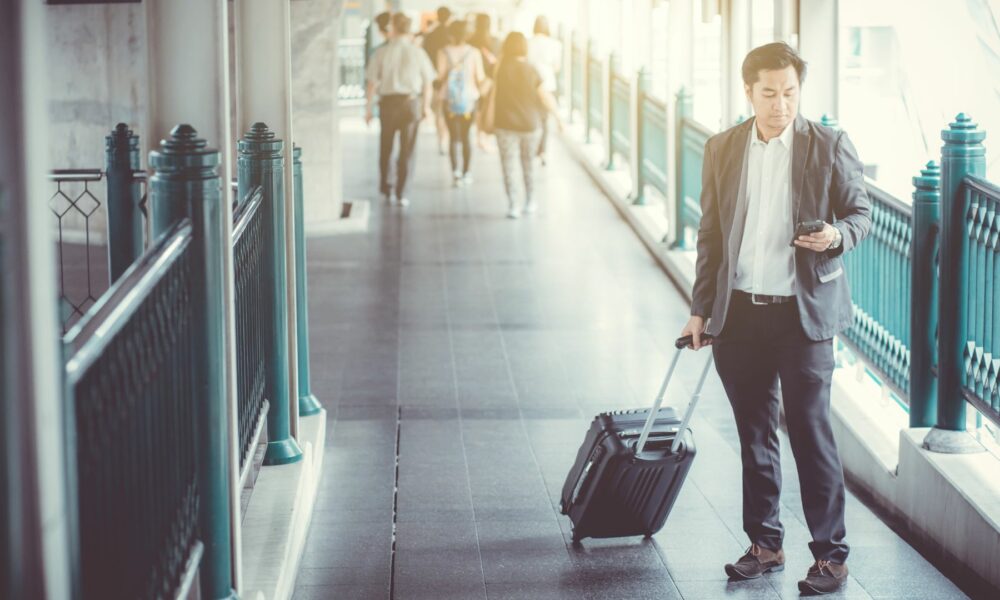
460, 423
517, 394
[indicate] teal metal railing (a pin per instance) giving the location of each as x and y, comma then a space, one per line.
981, 377
595, 93
652, 130
879, 272
619, 113
691, 139
251, 241
134, 403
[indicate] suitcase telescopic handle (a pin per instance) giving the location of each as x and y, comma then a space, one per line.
681, 344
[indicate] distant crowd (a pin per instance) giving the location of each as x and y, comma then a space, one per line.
456, 72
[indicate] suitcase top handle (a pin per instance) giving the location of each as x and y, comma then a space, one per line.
680, 344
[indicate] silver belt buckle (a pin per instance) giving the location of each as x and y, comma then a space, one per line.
753, 300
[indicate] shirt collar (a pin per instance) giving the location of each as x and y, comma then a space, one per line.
785, 137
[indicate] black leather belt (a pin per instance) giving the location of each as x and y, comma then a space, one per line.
763, 299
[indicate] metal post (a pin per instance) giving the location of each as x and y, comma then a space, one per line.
586, 89
260, 162
643, 84
124, 195
683, 111
614, 63
187, 177
308, 404
962, 154
924, 298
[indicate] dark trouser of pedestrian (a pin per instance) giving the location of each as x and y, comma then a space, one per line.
397, 113
758, 346
458, 133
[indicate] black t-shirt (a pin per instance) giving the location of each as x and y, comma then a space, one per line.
435, 41
517, 105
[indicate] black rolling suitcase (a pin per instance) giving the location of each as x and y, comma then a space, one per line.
631, 467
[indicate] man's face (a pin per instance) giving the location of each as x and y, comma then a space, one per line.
775, 99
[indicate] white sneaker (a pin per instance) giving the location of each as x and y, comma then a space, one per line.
467, 179
389, 199
456, 178
513, 213
531, 207
404, 202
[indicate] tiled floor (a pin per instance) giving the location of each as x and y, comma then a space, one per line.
476, 350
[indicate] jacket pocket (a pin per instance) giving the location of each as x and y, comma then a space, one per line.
829, 269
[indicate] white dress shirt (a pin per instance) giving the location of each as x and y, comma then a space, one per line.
400, 67
766, 263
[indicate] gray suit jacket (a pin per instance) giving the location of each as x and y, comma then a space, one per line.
827, 183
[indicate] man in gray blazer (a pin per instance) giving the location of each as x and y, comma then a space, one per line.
773, 307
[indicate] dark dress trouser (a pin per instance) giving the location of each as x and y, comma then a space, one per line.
397, 113
757, 346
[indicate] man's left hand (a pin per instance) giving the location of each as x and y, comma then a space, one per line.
819, 241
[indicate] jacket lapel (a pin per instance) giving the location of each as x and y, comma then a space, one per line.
800, 153
734, 185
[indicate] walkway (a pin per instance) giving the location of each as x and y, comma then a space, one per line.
476, 350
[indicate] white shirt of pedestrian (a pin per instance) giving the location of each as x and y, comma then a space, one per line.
400, 67
766, 263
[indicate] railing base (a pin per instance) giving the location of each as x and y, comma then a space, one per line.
309, 405
282, 452
946, 441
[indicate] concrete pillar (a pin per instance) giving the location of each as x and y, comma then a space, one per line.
39, 538
735, 45
264, 94
315, 109
819, 44
187, 43
680, 74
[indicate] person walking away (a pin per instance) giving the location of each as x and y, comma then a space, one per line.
402, 76
546, 54
774, 307
519, 104
434, 41
460, 68
489, 48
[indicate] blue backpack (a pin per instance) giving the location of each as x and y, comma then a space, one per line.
460, 101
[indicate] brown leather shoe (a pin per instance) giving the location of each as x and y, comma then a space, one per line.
756, 562
823, 577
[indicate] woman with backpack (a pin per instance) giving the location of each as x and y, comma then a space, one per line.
460, 69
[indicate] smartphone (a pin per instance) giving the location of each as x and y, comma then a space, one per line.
807, 227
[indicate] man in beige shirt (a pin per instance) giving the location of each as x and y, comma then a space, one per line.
402, 76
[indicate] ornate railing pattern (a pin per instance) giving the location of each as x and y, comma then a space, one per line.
82, 241
981, 379
130, 379
620, 114
352, 71
879, 271
83, 265
251, 240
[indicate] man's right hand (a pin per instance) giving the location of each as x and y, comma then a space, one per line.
368, 115
695, 327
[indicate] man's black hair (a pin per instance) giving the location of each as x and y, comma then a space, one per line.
772, 57
444, 15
